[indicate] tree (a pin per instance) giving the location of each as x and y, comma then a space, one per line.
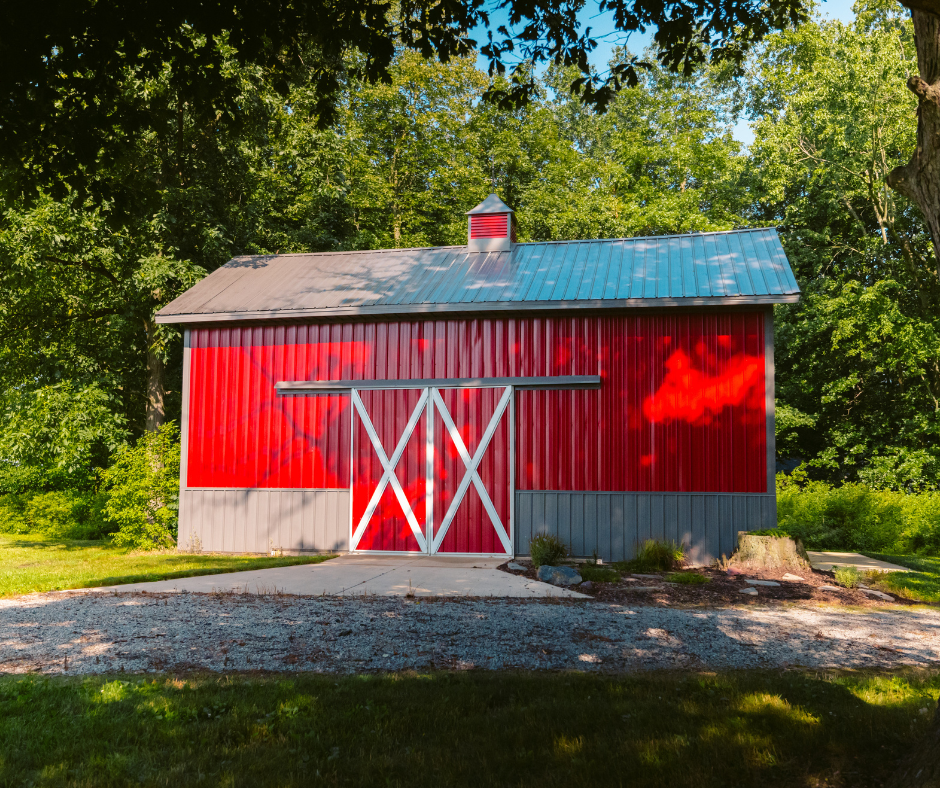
859, 359
55, 93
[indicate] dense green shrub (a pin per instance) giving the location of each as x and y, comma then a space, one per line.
856, 517
143, 490
66, 514
547, 550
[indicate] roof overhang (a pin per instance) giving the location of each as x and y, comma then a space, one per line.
490, 307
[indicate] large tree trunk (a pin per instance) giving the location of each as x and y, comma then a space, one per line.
919, 179
921, 769
156, 387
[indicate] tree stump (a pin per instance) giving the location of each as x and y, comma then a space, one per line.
770, 552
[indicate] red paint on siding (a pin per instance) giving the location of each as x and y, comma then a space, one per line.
681, 407
488, 225
388, 529
471, 530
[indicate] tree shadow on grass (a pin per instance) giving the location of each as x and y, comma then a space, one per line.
525, 729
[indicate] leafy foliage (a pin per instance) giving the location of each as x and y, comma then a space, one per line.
847, 576
853, 516
143, 490
858, 360
547, 550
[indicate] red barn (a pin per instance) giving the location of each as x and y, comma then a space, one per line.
461, 399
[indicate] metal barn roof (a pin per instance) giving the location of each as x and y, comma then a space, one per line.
726, 268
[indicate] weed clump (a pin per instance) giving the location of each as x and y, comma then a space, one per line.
847, 576
655, 556
598, 574
547, 550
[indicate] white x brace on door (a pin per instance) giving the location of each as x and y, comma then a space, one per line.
431, 404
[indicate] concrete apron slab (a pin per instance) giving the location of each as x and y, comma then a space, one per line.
359, 575
824, 561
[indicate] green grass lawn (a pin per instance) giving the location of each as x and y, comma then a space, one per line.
922, 585
447, 729
29, 563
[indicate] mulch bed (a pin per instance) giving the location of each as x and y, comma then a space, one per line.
724, 588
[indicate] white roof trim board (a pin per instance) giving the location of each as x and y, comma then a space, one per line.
738, 267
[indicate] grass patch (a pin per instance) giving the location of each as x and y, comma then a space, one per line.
921, 585
654, 556
687, 578
774, 729
598, 574
38, 563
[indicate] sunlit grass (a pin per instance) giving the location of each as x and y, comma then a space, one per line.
768, 729
29, 563
921, 585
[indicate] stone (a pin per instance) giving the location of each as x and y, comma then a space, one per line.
831, 588
587, 585
646, 588
748, 591
792, 578
512, 566
768, 583
648, 577
879, 594
559, 575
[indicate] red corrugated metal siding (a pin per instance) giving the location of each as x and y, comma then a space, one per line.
488, 225
681, 407
471, 530
388, 529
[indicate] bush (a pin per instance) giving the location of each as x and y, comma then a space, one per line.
856, 517
143, 490
63, 514
847, 576
547, 550
655, 556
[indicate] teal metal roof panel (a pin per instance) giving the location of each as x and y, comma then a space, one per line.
738, 266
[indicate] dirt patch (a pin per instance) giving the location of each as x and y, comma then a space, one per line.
724, 588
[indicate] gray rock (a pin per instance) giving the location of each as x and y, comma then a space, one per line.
648, 577
879, 594
512, 566
646, 588
831, 588
748, 591
587, 585
792, 578
769, 583
559, 575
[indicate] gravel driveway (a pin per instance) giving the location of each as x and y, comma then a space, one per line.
94, 633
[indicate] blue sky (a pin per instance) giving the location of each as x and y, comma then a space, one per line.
602, 30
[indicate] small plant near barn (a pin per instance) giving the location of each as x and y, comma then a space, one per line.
547, 550
687, 578
656, 556
847, 576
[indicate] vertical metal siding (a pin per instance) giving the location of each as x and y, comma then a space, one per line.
682, 407
613, 524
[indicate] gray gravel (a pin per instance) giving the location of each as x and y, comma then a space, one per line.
96, 633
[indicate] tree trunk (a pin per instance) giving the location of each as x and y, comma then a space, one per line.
921, 769
156, 387
919, 179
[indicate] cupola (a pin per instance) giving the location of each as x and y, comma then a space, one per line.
491, 226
